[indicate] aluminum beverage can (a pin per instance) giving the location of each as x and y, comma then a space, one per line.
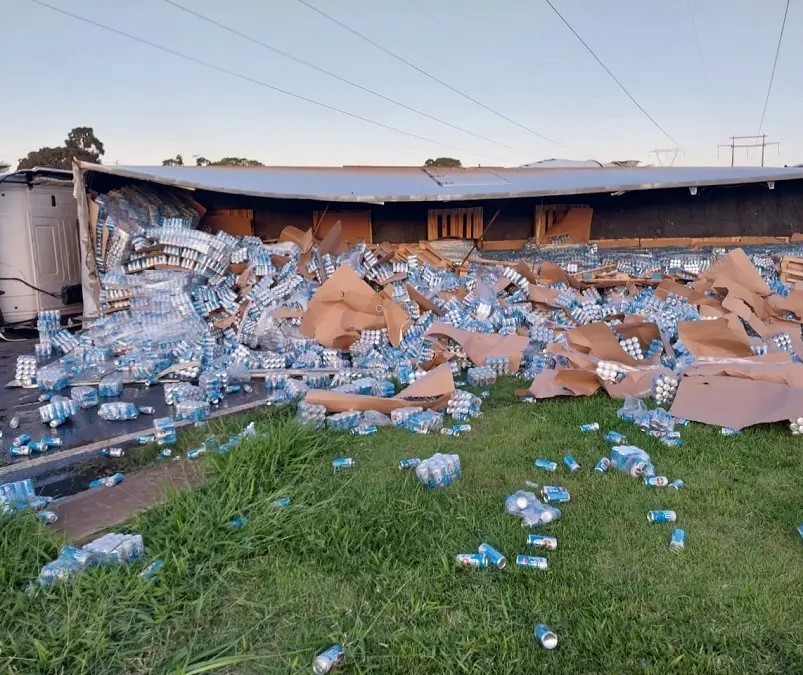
615, 438
147, 409
655, 481
558, 496
545, 636
603, 465
462, 428
542, 541
151, 570
19, 450
593, 426
328, 659
47, 517
571, 463
342, 463
676, 484
144, 440
494, 557
678, 540
477, 560
195, 453
661, 516
22, 439
449, 431
114, 479
411, 463
534, 561
279, 503
112, 452
800, 530
545, 464
52, 441
364, 430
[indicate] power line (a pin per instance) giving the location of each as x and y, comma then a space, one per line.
252, 80
608, 70
319, 69
424, 72
774, 64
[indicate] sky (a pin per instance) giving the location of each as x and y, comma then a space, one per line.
700, 68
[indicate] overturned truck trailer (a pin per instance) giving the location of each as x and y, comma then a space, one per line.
492, 207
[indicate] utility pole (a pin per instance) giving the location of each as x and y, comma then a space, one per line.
673, 152
758, 141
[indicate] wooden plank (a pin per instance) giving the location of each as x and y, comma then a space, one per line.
763, 240
616, 243
664, 241
501, 244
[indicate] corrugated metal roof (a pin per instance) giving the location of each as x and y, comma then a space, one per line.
407, 184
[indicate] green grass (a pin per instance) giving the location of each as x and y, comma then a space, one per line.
366, 557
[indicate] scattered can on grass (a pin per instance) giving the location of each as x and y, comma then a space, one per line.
144, 440
238, 522
195, 453
112, 452
603, 465
342, 463
678, 540
328, 659
615, 438
151, 570
592, 426
727, 431
554, 494
405, 464
545, 464
545, 636
661, 516
533, 561
571, 463
655, 481
477, 560
494, 557
449, 431
800, 530
364, 430
281, 502
47, 517
462, 428
542, 541
676, 484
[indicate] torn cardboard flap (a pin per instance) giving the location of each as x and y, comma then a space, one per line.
715, 338
735, 402
431, 391
566, 382
598, 340
479, 346
344, 305
735, 266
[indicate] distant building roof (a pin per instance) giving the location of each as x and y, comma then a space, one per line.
38, 172
409, 184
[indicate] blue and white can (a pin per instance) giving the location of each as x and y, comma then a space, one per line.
533, 561
676, 484
19, 450
655, 481
52, 441
342, 463
22, 439
545, 464
151, 570
727, 431
603, 465
144, 440
661, 516
281, 502
571, 463
593, 426
328, 659
478, 560
462, 428
542, 541
112, 452
364, 430
545, 636
615, 438
800, 530
47, 517
554, 494
495, 558
405, 464
678, 540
